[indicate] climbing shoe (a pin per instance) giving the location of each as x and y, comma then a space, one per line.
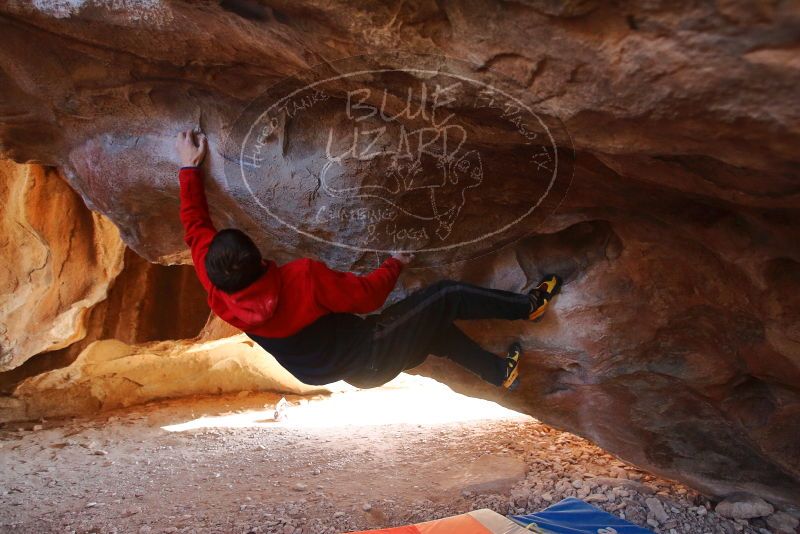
541, 295
511, 381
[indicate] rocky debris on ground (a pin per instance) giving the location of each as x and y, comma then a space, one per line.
744, 507
783, 523
216, 480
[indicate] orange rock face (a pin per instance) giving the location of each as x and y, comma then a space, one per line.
676, 341
57, 260
69, 280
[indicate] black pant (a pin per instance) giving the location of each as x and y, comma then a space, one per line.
404, 334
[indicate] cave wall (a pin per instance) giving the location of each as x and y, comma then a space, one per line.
145, 302
68, 279
57, 260
676, 341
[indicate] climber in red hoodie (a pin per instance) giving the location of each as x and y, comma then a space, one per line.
306, 315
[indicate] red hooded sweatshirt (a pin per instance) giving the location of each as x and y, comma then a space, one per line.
286, 298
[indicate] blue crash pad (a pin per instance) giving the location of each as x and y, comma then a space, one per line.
573, 516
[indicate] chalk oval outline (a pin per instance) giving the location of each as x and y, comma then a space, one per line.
391, 251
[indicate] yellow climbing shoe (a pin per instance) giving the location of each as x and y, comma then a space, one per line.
542, 294
512, 367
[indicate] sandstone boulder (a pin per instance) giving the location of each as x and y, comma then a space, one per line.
111, 374
69, 280
675, 341
57, 260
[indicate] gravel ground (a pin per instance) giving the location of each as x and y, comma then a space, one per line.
241, 471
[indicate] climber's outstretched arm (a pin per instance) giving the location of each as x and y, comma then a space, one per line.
197, 226
346, 292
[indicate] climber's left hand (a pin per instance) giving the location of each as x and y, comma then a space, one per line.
404, 257
191, 150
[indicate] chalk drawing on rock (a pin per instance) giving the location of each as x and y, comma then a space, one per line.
324, 152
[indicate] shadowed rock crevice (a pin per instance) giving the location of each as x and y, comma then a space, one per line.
146, 302
569, 252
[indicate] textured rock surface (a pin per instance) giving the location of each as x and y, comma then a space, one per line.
146, 302
746, 508
676, 341
57, 260
782, 523
68, 280
110, 374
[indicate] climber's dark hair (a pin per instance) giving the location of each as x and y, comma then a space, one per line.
233, 261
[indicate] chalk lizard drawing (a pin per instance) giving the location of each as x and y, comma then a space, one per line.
434, 198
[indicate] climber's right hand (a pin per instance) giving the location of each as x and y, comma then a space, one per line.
190, 150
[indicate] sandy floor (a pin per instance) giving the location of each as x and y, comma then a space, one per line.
223, 464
